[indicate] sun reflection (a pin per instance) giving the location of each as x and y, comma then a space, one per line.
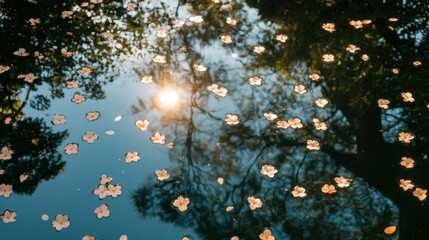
168, 97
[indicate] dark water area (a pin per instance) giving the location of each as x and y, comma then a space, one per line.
214, 119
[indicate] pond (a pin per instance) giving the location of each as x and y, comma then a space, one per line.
214, 119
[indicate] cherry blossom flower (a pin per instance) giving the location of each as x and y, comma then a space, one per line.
270, 116
71, 148
220, 180
59, 119
420, 193
295, 123
105, 179
101, 191
319, 125
8, 120
281, 38
227, 39
177, 23
6, 153
299, 192
330, 27
85, 70
162, 175
4, 69
160, 59
268, 170
181, 203
351, 48
162, 33
60, 222
34, 21
118, 118
28, 77
84, 4
300, 89
405, 137
65, 53
92, 115
314, 77
142, 125
8, 216
329, 189
66, 14
219, 91
255, 81
72, 84
407, 162
231, 21
282, 124
102, 211
343, 182
231, 119
38, 55
407, 97
21, 52
196, 19
77, 98
406, 184
322, 102
356, 23
328, 58
200, 68
107, 35
146, 79
6, 190
235, 238
395, 70
157, 138
114, 190
131, 5
259, 49
254, 203
266, 235
90, 137
383, 103
123, 237
132, 157
365, 57
170, 145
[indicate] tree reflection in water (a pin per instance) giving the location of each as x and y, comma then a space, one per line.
361, 141
279, 57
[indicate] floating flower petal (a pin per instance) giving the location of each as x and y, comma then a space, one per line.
71, 148
102, 211
60, 222
162, 175
142, 124
254, 203
231, 119
157, 138
181, 203
132, 157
